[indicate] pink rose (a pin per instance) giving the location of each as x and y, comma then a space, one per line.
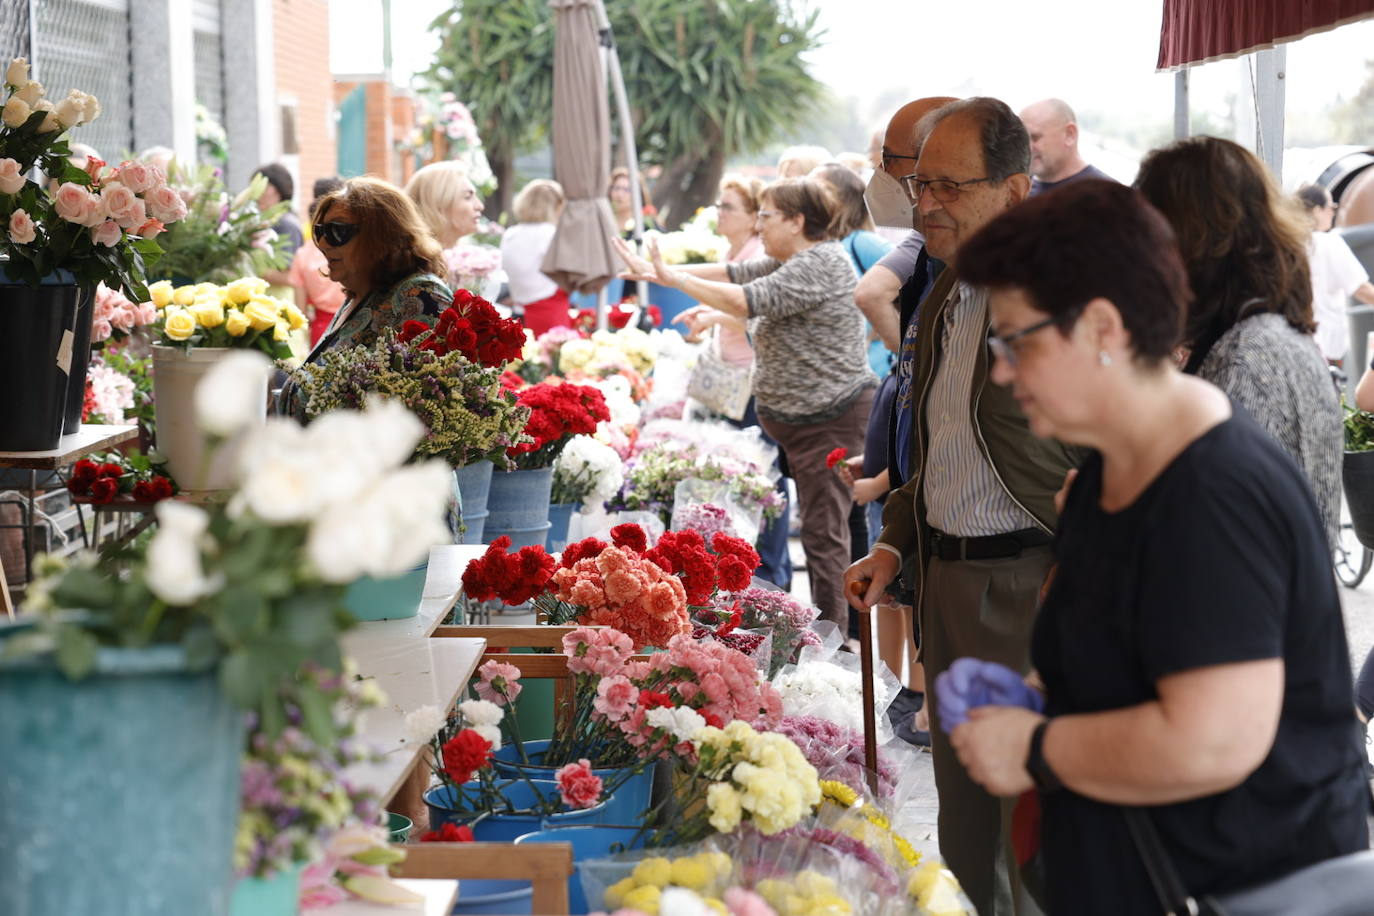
100, 330
93, 211
579, 786
135, 218
118, 200
125, 317
137, 176
11, 179
107, 233
615, 697
147, 313
22, 230
165, 205
104, 304
70, 202
151, 229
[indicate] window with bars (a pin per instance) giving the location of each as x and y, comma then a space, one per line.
209, 57
84, 44
14, 30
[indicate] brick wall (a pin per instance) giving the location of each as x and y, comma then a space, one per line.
301, 48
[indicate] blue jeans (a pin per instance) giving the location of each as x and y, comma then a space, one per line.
775, 563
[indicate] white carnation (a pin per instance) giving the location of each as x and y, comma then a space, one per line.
481, 712
682, 723
423, 723
491, 733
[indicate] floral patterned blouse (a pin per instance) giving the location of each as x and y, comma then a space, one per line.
420, 296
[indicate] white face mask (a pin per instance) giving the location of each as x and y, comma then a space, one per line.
887, 202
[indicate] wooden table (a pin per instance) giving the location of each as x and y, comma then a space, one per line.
90, 438
443, 585
439, 898
412, 672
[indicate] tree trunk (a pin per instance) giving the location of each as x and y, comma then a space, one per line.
502, 163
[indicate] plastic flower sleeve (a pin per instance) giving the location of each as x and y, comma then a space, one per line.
708, 506
833, 690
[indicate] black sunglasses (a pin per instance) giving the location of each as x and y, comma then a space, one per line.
335, 233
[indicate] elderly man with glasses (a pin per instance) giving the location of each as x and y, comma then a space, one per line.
971, 529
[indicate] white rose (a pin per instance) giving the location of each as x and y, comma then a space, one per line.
424, 723
679, 901
18, 72
90, 106
69, 112
15, 112
233, 394
282, 491
481, 712
175, 572
491, 733
50, 123
344, 542
31, 91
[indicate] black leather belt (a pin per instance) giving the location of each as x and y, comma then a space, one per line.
989, 547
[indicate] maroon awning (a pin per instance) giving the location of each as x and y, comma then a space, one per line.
1197, 31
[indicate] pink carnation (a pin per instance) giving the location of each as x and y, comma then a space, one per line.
498, 682
579, 786
615, 697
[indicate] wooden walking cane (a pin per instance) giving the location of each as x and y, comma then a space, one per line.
866, 670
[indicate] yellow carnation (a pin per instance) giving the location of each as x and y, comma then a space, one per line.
262, 312
184, 295
692, 873
236, 323
716, 905
240, 291
644, 898
615, 894
655, 870
725, 806
178, 324
160, 293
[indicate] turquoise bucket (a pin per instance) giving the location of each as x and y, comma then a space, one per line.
588, 842
502, 828
474, 483
393, 598
672, 302
278, 895
119, 793
560, 517
626, 805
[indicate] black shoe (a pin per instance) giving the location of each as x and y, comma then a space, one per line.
902, 715
908, 732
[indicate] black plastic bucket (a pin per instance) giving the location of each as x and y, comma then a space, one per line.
36, 353
81, 359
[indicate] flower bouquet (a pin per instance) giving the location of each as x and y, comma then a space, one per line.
116, 317
219, 237
100, 223
239, 315
558, 412
586, 472
114, 477
652, 478
470, 265
694, 243
777, 613
119, 389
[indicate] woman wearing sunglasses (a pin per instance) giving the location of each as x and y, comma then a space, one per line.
376, 247
1190, 647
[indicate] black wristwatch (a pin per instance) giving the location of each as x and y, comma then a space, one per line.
1036, 766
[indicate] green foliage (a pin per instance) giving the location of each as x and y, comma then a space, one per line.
1359, 429
221, 239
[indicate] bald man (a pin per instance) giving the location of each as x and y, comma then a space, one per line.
1053, 130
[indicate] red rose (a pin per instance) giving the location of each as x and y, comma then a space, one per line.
411, 330
465, 752
83, 475
448, 833
630, 536
110, 469
143, 492
162, 487
104, 490
462, 298
836, 456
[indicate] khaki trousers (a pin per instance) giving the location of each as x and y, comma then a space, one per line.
984, 609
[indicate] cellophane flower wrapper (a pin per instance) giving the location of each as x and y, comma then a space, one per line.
708, 506
833, 689
756, 644
836, 750
788, 620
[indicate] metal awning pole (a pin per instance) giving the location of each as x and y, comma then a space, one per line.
627, 138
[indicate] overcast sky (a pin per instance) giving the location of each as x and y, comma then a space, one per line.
1094, 55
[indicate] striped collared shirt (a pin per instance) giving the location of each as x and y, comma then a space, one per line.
962, 493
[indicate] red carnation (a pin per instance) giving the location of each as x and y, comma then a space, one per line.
836, 456
464, 753
727, 545
104, 490
648, 699
655, 315
580, 550
630, 536
618, 317
713, 720
449, 833
733, 576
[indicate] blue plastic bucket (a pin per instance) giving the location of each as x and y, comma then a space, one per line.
502, 828
510, 898
672, 302
560, 517
474, 483
393, 598
518, 501
625, 806
119, 793
588, 842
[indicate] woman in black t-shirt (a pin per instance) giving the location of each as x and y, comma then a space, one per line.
1191, 648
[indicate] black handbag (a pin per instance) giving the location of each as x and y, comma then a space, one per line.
1341, 886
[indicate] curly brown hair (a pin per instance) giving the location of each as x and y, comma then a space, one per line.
1242, 241
390, 230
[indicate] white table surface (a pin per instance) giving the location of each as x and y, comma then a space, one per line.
439, 898
90, 438
443, 585
412, 672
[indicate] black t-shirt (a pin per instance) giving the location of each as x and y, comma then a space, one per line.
1222, 559
1088, 171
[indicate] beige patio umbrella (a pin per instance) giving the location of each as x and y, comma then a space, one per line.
580, 257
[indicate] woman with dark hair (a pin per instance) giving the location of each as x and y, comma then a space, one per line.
377, 247
1190, 648
1249, 328
812, 386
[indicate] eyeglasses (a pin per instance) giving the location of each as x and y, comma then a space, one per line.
888, 156
724, 207
942, 189
1001, 346
764, 214
335, 233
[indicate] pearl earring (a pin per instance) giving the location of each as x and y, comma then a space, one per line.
1104, 357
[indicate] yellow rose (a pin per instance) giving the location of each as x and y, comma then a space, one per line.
240, 291
262, 312
207, 289
236, 323
208, 312
282, 332
178, 324
160, 293
294, 317
184, 295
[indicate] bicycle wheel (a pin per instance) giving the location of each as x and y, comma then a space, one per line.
1350, 558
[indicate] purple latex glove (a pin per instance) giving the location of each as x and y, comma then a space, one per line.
971, 682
